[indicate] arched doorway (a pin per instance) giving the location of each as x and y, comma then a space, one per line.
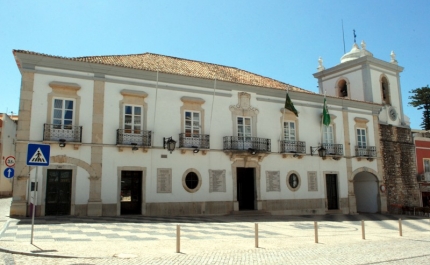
366, 192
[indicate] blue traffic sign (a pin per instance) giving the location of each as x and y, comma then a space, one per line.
38, 154
9, 172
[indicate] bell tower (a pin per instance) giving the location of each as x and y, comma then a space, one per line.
360, 76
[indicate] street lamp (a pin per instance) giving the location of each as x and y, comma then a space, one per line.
169, 143
322, 152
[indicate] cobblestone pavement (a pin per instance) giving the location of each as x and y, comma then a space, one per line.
215, 240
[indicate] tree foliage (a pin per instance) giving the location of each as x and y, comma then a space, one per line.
421, 100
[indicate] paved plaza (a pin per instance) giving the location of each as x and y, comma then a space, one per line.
215, 240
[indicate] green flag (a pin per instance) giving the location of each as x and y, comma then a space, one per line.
290, 106
326, 115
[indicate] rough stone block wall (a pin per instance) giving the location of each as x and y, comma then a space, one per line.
399, 167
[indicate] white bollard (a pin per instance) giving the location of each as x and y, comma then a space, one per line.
256, 235
178, 239
400, 227
363, 233
316, 231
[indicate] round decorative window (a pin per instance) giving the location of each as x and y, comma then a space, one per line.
191, 180
293, 181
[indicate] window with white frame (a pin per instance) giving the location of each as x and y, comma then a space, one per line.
63, 113
132, 119
426, 165
192, 124
244, 127
328, 137
289, 131
361, 138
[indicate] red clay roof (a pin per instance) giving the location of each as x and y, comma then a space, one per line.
179, 66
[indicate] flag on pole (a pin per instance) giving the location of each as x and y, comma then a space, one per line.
326, 115
290, 106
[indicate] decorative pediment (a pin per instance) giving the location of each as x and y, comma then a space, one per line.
244, 103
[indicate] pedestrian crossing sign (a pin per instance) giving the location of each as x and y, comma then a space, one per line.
38, 154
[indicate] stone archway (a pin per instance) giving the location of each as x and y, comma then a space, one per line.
62, 159
366, 192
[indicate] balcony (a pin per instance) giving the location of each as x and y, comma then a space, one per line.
368, 151
240, 143
199, 141
55, 132
293, 147
333, 149
137, 138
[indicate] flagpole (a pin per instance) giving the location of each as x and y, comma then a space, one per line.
282, 123
212, 108
322, 118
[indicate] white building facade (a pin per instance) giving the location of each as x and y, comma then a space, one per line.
8, 125
109, 121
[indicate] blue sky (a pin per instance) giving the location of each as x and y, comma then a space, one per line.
278, 39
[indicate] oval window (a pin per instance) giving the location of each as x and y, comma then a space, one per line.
192, 180
293, 180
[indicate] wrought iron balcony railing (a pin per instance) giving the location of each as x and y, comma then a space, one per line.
368, 151
244, 143
138, 137
333, 149
55, 132
293, 147
187, 140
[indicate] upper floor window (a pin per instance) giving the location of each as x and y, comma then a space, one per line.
289, 131
63, 113
426, 165
132, 119
342, 89
244, 127
385, 90
328, 136
361, 138
192, 124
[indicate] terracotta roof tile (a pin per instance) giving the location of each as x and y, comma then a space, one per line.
178, 66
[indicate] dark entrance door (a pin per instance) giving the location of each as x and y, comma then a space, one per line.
426, 199
246, 188
331, 186
131, 192
58, 192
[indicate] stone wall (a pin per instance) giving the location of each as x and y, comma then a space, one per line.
398, 156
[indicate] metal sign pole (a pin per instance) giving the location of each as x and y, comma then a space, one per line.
34, 206
37, 155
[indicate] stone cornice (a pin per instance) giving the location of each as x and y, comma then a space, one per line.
64, 85
360, 61
192, 100
133, 93
361, 120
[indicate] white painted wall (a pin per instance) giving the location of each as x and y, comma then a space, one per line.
269, 126
82, 186
39, 108
7, 144
353, 75
164, 120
